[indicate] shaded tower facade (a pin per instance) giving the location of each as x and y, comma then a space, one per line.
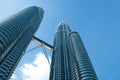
16, 33
69, 59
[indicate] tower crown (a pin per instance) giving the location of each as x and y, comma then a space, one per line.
62, 26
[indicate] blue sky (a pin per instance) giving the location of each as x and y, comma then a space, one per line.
97, 22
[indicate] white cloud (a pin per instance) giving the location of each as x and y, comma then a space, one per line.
37, 70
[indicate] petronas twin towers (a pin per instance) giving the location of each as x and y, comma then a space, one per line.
69, 58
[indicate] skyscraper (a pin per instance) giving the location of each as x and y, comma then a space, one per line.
70, 60
16, 33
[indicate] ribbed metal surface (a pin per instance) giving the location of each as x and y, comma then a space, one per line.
70, 60
15, 35
59, 65
84, 69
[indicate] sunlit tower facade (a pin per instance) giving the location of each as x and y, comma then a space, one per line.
16, 33
70, 60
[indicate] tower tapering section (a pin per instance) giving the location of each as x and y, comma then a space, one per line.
80, 64
16, 33
69, 59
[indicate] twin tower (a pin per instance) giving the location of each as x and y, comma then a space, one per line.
69, 57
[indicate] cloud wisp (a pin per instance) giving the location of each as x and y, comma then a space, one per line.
13, 77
